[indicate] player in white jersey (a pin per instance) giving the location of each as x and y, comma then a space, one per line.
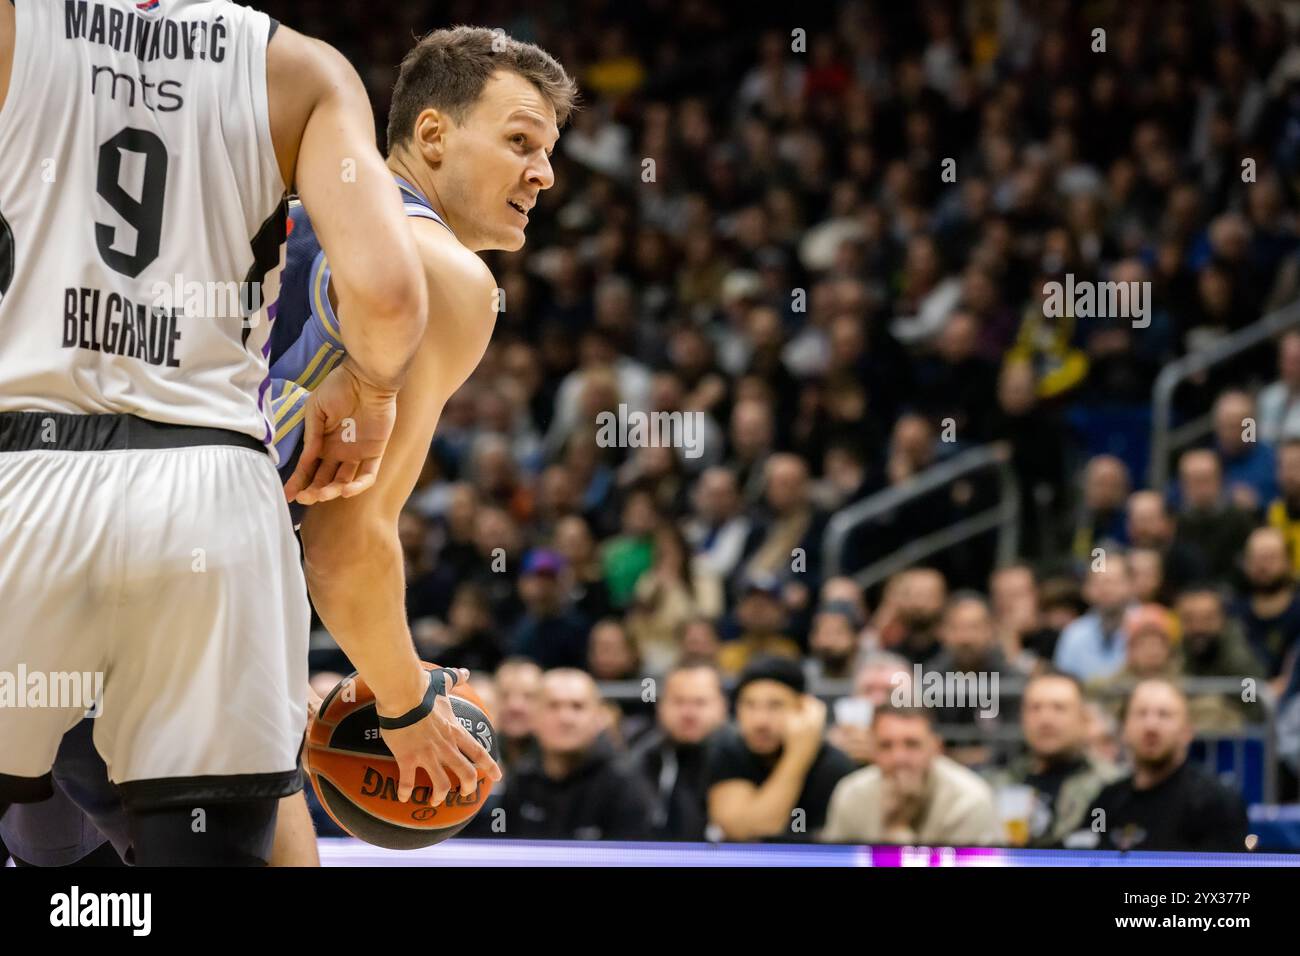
147, 544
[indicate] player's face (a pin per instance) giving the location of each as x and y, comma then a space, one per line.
499, 164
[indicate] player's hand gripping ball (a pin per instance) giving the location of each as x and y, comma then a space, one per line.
355, 776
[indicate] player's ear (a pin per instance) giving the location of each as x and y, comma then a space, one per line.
429, 137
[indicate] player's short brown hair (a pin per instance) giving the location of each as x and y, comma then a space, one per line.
447, 70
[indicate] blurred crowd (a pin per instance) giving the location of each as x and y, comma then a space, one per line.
827, 231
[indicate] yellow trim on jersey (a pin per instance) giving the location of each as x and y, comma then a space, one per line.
290, 424
320, 355
322, 299
280, 407
325, 369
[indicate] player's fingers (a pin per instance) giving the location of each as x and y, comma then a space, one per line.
322, 486
311, 446
440, 783
364, 478
405, 778
476, 753
460, 766
346, 473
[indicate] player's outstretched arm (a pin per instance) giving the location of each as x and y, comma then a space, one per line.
352, 554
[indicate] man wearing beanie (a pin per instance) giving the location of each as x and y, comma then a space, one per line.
771, 775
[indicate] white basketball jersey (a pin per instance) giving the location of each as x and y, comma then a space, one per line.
141, 212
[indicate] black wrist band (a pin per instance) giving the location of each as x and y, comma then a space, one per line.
437, 685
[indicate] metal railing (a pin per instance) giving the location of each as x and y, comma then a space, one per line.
1164, 439
1004, 517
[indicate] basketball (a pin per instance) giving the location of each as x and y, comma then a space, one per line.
355, 776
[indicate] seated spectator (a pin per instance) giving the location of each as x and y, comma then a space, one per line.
1103, 734
912, 794
468, 639
1269, 612
1149, 652
1208, 526
1149, 525
518, 684
551, 632
587, 591
573, 787
1247, 461
700, 642
1148, 567
788, 520
677, 587
1093, 646
874, 683
834, 642
1013, 593
672, 757
1279, 403
1064, 777
628, 555
1062, 602
771, 775
762, 619
1212, 645
1166, 803
611, 652
1101, 518
908, 619
1284, 513
718, 528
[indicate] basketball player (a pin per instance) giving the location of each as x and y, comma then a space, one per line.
473, 121
146, 538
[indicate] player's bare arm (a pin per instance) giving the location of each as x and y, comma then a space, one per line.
352, 553
323, 130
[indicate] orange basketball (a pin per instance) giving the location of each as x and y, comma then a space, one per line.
355, 776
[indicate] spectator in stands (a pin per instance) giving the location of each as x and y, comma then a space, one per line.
700, 642
771, 776
1148, 567
1151, 631
1208, 526
1101, 519
672, 757
751, 438
1013, 594
498, 549
1062, 602
908, 619
518, 684
762, 619
718, 529
1284, 513
1212, 644
677, 587
1269, 611
611, 652
1058, 767
788, 521
1167, 803
835, 641
573, 786
1149, 525
912, 794
1037, 454
468, 638
877, 677
628, 555
551, 632
1247, 461
1094, 646
587, 589
1279, 403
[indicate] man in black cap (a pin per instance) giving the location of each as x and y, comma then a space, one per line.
771, 775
